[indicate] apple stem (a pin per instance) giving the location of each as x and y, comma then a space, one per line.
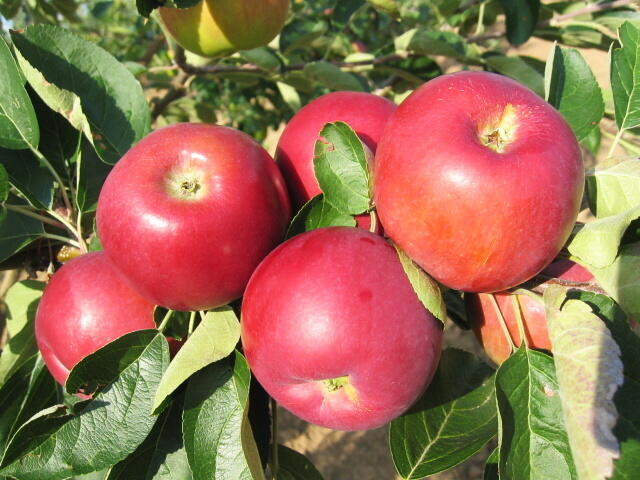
480, 24
374, 221
165, 320
192, 321
517, 310
503, 323
275, 466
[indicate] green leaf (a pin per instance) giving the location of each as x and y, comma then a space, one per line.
92, 173
10, 8
17, 231
343, 10
389, 7
22, 302
516, 68
597, 243
453, 419
318, 213
295, 466
612, 190
491, 466
161, 456
102, 431
593, 141
61, 101
589, 372
18, 123
572, 88
111, 98
215, 338
625, 77
341, 165
522, 17
33, 180
330, 76
627, 429
432, 42
621, 280
532, 437
264, 58
29, 389
216, 429
426, 288
289, 95
4, 184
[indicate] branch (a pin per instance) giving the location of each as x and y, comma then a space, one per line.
177, 90
540, 283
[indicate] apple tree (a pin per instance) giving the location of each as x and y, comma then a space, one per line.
554, 394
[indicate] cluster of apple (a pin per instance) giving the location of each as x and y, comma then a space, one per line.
475, 177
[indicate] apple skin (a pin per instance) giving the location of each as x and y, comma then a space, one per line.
331, 303
217, 27
365, 113
189, 212
86, 305
477, 219
486, 325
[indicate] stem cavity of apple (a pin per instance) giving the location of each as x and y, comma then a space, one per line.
498, 133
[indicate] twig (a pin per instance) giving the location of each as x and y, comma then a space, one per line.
30, 213
177, 90
540, 283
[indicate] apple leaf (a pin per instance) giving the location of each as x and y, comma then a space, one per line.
431, 42
215, 338
295, 466
426, 288
572, 88
390, 7
4, 184
621, 279
216, 429
589, 372
99, 432
597, 243
22, 301
92, 173
516, 68
61, 101
161, 456
532, 438
627, 429
318, 213
614, 189
111, 98
453, 419
341, 165
522, 16
18, 123
290, 96
625, 77
30, 389
34, 181
491, 466
331, 76
16, 230
343, 10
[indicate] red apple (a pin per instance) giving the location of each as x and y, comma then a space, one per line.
189, 212
486, 325
217, 27
86, 305
365, 113
478, 180
334, 332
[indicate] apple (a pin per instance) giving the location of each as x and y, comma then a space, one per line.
189, 212
365, 113
86, 305
478, 180
334, 332
217, 27
485, 322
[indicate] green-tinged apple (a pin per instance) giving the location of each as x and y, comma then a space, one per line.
189, 212
478, 180
482, 313
334, 332
217, 27
86, 305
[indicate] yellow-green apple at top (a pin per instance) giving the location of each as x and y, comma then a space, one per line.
217, 27
478, 180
